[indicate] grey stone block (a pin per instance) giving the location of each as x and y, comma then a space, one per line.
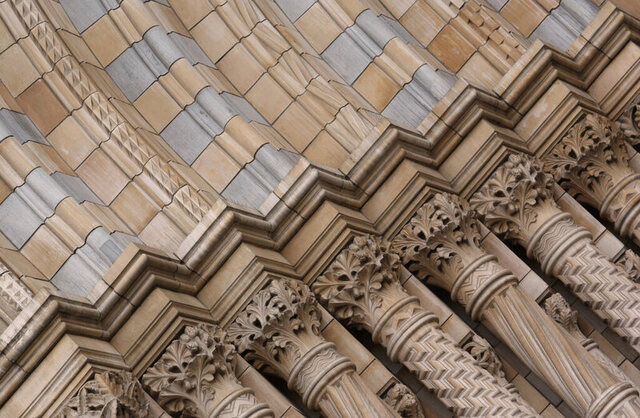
76, 276
400, 30
583, 11
130, 72
211, 111
559, 29
244, 108
17, 220
186, 137
346, 57
190, 49
295, 8
375, 28
42, 192
158, 50
246, 190
429, 86
19, 126
406, 109
272, 164
76, 188
497, 4
84, 13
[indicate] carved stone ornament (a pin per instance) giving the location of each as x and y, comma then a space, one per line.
112, 394
512, 199
592, 164
629, 263
195, 377
404, 401
630, 124
440, 240
483, 353
279, 332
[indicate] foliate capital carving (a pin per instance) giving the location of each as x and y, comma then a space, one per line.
440, 240
110, 394
559, 310
630, 124
514, 197
483, 353
362, 283
590, 160
195, 373
278, 327
404, 401
630, 265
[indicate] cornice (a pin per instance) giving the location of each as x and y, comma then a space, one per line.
226, 227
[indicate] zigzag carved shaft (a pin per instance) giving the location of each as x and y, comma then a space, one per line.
594, 279
243, 404
454, 376
549, 351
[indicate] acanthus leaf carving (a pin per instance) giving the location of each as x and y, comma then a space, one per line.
630, 124
109, 395
511, 199
629, 263
559, 310
404, 401
440, 240
193, 369
483, 353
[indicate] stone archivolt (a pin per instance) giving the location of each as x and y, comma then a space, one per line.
516, 202
110, 394
196, 377
592, 163
441, 243
279, 332
362, 287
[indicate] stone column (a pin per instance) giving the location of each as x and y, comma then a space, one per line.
195, 377
442, 244
362, 287
558, 309
592, 164
516, 203
279, 332
108, 394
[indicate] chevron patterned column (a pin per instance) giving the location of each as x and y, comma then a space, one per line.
592, 164
516, 203
196, 377
442, 244
362, 287
279, 332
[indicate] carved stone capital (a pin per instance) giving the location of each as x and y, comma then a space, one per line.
592, 164
108, 394
404, 401
362, 284
279, 332
196, 376
516, 199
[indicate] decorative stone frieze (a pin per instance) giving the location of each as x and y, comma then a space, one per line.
441, 243
516, 203
557, 308
279, 332
195, 377
362, 288
110, 394
404, 401
592, 164
630, 265
14, 295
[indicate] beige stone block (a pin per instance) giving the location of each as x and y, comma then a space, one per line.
211, 293
98, 167
105, 40
47, 157
479, 71
168, 18
318, 27
580, 215
240, 67
607, 348
422, 21
610, 245
162, 233
157, 106
16, 70
134, 207
297, 126
450, 47
631, 371
613, 73
191, 11
19, 264
551, 412
534, 286
42, 106
525, 15
216, 166
324, 149
71, 141
213, 36
46, 251
268, 97
265, 392
376, 86
6, 38
376, 376
456, 328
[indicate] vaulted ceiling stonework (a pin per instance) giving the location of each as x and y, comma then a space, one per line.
338, 208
